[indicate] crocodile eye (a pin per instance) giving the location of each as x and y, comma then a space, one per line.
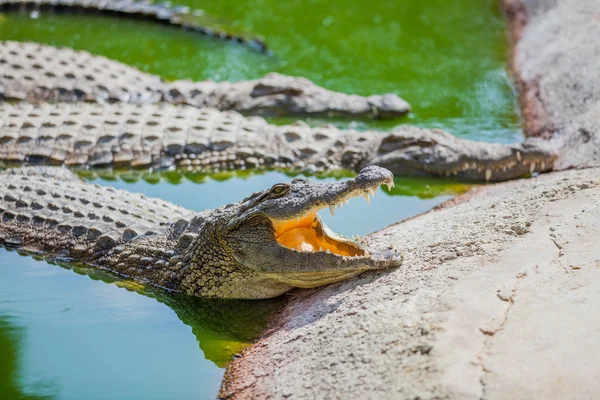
279, 189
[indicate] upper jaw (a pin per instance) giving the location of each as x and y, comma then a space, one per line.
312, 196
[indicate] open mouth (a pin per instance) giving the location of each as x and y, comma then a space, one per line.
307, 233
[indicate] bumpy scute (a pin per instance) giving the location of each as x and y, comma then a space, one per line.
165, 136
36, 72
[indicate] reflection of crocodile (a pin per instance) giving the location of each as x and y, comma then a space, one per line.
11, 337
36, 72
261, 247
222, 327
165, 13
162, 136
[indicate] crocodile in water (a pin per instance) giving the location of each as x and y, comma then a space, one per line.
36, 72
166, 136
260, 247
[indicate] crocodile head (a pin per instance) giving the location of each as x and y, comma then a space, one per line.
278, 235
415, 151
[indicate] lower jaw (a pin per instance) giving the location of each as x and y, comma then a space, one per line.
307, 280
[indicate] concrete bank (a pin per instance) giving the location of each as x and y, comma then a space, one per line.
499, 291
497, 298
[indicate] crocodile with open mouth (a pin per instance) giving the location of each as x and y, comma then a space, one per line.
260, 247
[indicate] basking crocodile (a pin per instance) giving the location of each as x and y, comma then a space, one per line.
260, 247
36, 72
164, 136
164, 13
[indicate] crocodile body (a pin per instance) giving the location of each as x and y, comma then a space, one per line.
260, 247
36, 72
165, 136
164, 13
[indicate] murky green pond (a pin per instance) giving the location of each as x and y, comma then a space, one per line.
446, 58
81, 334
66, 336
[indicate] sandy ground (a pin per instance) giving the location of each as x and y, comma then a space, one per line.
497, 298
499, 293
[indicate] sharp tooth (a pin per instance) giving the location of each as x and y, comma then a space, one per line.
328, 251
532, 167
340, 204
353, 237
488, 175
367, 253
346, 201
519, 155
320, 248
372, 193
390, 185
332, 210
367, 198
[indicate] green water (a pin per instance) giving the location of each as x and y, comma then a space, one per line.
66, 336
84, 335
446, 58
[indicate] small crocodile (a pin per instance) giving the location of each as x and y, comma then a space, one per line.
164, 13
36, 72
260, 247
166, 136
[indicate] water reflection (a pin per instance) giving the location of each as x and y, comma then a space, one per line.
223, 328
63, 334
11, 342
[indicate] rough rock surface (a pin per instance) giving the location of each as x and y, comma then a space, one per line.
497, 298
37, 73
556, 64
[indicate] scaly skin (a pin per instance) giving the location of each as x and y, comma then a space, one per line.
261, 247
36, 72
164, 13
165, 136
